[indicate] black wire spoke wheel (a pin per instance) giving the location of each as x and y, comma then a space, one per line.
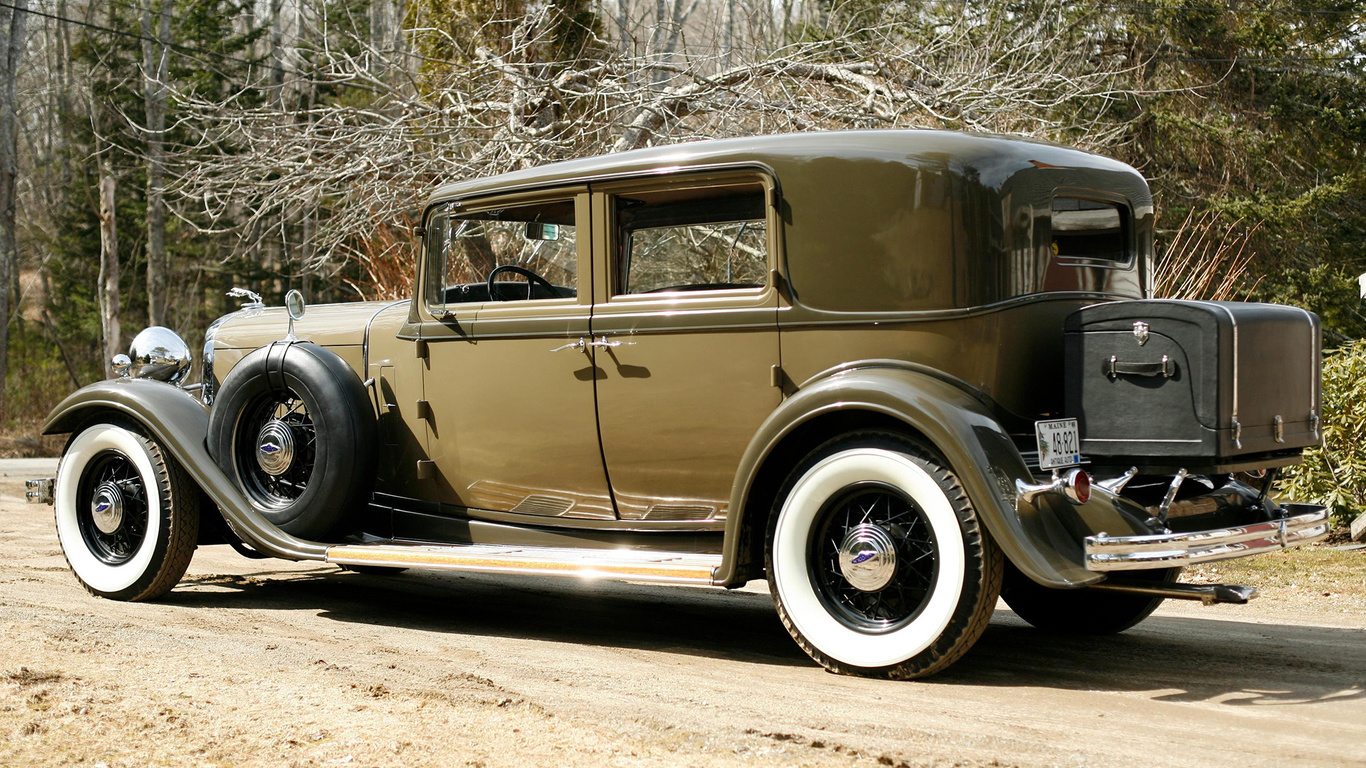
127, 513
276, 448
294, 427
111, 509
874, 558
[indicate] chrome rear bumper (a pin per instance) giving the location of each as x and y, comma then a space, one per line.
1302, 524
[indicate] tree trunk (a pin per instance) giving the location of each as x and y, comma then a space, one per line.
623, 20
155, 57
11, 52
109, 270
386, 32
728, 34
277, 53
63, 86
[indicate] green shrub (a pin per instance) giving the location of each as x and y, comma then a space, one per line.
1335, 475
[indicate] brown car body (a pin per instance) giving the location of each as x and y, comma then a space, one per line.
911, 284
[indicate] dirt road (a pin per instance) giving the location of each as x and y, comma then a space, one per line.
271, 663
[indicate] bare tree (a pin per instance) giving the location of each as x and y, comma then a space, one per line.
12, 44
155, 62
108, 288
1009, 73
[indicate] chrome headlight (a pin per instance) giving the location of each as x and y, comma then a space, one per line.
158, 353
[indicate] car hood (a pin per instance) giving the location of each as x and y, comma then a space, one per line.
328, 325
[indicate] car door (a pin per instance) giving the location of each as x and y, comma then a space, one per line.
508, 384
686, 338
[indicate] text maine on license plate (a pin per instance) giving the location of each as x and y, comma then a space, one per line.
1058, 443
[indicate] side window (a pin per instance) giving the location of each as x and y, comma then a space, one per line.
1090, 230
529, 250
712, 238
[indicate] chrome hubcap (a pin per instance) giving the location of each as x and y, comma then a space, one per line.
867, 558
275, 448
106, 509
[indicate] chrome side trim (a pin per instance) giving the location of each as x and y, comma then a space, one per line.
1233, 321
1135, 440
623, 564
1315, 376
365, 339
1314, 341
836, 317
1304, 523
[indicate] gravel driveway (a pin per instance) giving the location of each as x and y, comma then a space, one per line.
272, 663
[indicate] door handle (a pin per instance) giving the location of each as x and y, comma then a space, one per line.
580, 345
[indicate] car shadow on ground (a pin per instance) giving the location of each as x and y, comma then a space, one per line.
740, 626
1177, 659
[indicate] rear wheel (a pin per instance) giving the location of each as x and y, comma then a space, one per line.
1082, 611
876, 560
127, 514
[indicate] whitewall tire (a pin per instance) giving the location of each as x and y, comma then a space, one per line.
876, 560
127, 515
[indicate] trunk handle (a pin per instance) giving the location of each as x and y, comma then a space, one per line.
1165, 369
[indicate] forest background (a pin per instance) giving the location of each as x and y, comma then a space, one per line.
155, 153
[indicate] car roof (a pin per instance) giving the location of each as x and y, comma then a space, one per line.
982, 153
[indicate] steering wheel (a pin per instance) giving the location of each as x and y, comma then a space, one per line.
531, 279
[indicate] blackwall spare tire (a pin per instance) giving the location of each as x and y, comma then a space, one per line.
292, 425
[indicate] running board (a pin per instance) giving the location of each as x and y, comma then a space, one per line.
624, 564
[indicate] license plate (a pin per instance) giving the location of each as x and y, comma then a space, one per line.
1058, 443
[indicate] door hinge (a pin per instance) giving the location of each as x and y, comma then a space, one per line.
426, 469
776, 377
420, 349
424, 411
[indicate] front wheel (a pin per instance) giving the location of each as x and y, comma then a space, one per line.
876, 560
127, 514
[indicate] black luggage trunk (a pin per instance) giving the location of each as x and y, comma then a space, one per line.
1193, 383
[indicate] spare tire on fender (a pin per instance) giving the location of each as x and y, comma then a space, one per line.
293, 426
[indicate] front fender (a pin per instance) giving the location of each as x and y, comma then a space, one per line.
180, 423
963, 430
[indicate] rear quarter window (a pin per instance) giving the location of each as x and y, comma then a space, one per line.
1090, 232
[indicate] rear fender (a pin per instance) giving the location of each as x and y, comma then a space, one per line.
961, 428
180, 423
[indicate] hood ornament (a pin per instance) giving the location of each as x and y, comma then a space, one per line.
1141, 332
253, 299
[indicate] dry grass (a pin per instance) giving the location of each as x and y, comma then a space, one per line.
24, 442
1207, 258
1320, 575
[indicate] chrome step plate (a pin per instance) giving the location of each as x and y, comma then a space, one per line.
623, 564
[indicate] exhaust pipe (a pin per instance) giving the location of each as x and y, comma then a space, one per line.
1209, 594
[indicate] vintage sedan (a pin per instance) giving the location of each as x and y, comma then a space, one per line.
895, 373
